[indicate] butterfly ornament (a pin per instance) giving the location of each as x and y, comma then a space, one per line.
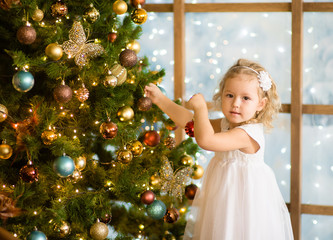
78, 47
174, 182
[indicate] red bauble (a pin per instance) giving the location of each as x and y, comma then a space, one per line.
26, 35
147, 197
189, 128
135, 3
108, 130
190, 191
144, 104
151, 138
112, 36
171, 215
63, 94
128, 58
29, 173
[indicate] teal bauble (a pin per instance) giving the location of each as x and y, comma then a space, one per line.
156, 210
64, 166
36, 235
23, 81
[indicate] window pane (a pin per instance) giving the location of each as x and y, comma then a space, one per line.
317, 159
277, 153
214, 41
318, 58
316, 227
156, 43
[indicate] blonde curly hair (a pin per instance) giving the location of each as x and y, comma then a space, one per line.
273, 104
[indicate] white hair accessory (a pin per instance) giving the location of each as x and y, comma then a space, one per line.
265, 82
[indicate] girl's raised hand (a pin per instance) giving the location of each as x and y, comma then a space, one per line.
153, 92
196, 101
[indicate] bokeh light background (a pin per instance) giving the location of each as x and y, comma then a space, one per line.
214, 41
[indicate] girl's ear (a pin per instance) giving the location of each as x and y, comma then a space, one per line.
262, 104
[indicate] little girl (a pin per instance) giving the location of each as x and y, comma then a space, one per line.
239, 198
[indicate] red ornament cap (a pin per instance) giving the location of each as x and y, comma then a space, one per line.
189, 128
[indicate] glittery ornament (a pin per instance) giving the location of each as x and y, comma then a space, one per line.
6, 151
26, 35
63, 93
156, 210
190, 191
48, 136
128, 58
171, 215
82, 94
198, 172
80, 163
36, 235
108, 130
151, 138
119, 7
37, 15
110, 81
120, 73
147, 197
112, 36
29, 173
124, 156
170, 142
23, 81
189, 128
136, 3
174, 182
125, 113
59, 9
7, 4
139, 16
92, 14
170, 125
63, 229
78, 47
3, 113
134, 45
187, 160
54, 51
64, 166
75, 176
99, 231
144, 104
135, 147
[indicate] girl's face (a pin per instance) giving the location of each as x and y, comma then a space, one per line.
240, 99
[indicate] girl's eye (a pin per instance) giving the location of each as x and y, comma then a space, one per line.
246, 98
228, 95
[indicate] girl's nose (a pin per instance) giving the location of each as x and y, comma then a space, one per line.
236, 102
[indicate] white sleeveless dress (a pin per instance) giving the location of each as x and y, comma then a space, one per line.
239, 198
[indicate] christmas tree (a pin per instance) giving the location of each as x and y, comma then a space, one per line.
84, 154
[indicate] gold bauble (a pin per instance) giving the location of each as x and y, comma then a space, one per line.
54, 51
92, 14
187, 159
119, 7
62, 229
139, 16
125, 113
80, 163
135, 147
38, 15
3, 113
120, 73
48, 136
124, 156
135, 46
6, 151
99, 231
110, 81
198, 173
